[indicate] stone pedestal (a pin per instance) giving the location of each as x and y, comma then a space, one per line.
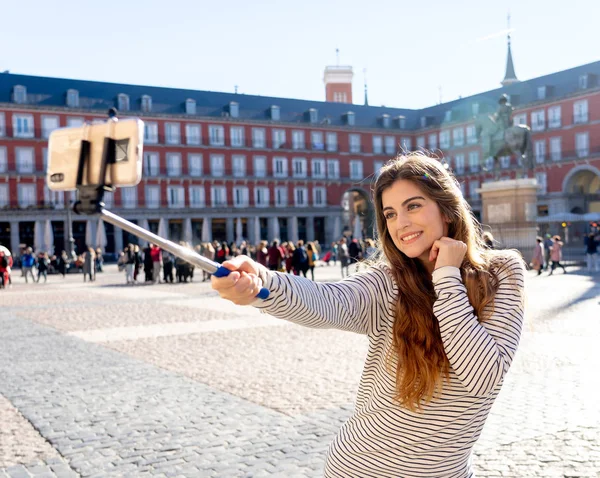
509, 208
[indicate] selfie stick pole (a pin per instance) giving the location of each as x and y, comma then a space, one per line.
90, 202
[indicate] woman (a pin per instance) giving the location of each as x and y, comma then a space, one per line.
89, 259
537, 261
443, 315
311, 253
556, 255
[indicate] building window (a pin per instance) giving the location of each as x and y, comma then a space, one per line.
108, 199
473, 188
448, 116
318, 168
45, 159
582, 144
54, 198
356, 169
542, 182
377, 145
2, 125
377, 165
433, 142
73, 98
261, 196
152, 196
280, 167
331, 141
459, 163
281, 196
150, 132
339, 97
173, 134
275, 113
445, 139
555, 148
580, 112
218, 196
316, 139
175, 196
25, 160
173, 164
475, 109
313, 115
390, 145
23, 126
190, 106
458, 136
26, 195
350, 118
333, 169
239, 165
240, 196
401, 121
354, 143
195, 164
260, 166
151, 164
3, 160
19, 94
420, 142
3, 195
298, 140
237, 136
278, 138
541, 93
540, 151
49, 124
259, 138
216, 135
123, 102
300, 197
520, 119
385, 121
299, 167
474, 161
129, 197
471, 134
554, 117
146, 104
505, 162
538, 120
234, 109
193, 134
319, 197
75, 122
405, 144
197, 196
217, 165
583, 81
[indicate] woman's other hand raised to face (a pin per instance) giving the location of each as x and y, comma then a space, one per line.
242, 285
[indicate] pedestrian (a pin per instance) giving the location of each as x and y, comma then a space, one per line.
156, 255
443, 315
99, 260
343, 256
208, 251
168, 263
42, 264
591, 251
89, 260
300, 259
62, 263
547, 248
275, 256
129, 253
556, 255
148, 264
262, 253
27, 264
312, 258
537, 261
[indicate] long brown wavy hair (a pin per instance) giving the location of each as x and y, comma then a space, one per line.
416, 351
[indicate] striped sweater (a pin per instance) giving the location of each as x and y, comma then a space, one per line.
383, 439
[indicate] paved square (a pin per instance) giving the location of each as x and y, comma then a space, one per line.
104, 379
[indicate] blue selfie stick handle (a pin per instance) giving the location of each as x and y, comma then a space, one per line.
224, 272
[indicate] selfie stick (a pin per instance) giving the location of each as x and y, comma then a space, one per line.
90, 202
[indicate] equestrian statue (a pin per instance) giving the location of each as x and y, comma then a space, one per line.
498, 138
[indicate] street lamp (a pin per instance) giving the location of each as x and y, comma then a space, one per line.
71, 240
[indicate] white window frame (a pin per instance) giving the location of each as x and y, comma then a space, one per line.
174, 166
278, 138
3, 159
406, 144
377, 144
300, 196
445, 139
331, 141
129, 197
238, 165
356, 169
299, 167
218, 196
433, 141
195, 164
25, 160
316, 141
46, 128
298, 141
555, 148
19, 94
175, 196
23, 126
318, 168
421, 142
259, 164
538, 120
56, 199
458, 136
150, 132
123, 102
146, 103
281, 196
190, 106
151, 163
459, 163
539, 151
259, 138
237, 136
474, 161
26, 195
377, 165
554, 120
280, 167
4, 195
172, 133
505, 162
216, 135
390, 145
75, 121
217, 165
520, 118
354, 143
471, 134
333, 169
580, 112
473, 186
582, 144
193, 134
261, 196
197, 195
319, 198
542, 180
2, 124
72, 98
152, 193
241, 196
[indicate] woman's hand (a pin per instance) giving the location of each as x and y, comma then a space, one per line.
242, 285
447, 252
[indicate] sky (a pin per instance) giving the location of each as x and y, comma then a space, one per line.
416, 53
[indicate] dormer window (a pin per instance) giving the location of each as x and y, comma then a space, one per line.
385, 121
275, 113
350, 118
190, 106
234, 109
541, 92
146, 103
448, 115
475, 109
401, 122
424, 121
312, 115
123, 102
19, 94
73, 98
584, 81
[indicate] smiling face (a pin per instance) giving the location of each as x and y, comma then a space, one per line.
414, 221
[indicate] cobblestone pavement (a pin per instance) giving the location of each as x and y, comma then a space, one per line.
104, 379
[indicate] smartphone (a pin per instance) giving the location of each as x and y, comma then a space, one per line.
65, 146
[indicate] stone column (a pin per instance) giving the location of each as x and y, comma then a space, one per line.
310, 228
271, 228
118, 235
293, 229
229, 230
15, 240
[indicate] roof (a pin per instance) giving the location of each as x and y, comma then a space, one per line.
96, 95
510, 76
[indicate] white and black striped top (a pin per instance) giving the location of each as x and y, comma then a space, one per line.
382, 439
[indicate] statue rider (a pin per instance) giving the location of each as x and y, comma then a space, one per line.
504, 113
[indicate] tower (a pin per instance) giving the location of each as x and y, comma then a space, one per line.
338, 83
510, 77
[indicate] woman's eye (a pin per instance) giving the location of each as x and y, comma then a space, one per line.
413, 206
389, 216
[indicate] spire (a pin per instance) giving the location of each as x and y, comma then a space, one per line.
510, 77
366, 99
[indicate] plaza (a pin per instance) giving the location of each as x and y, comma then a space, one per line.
104, 379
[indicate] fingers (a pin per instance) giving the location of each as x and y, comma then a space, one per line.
239, 287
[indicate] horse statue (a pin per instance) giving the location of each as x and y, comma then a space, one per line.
497, 138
